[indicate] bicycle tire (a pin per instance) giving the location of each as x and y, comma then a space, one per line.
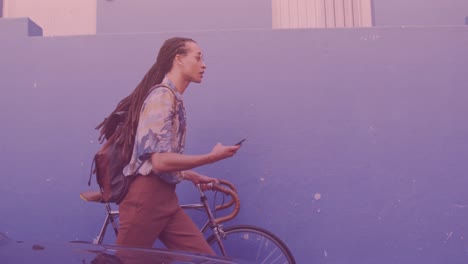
253, 243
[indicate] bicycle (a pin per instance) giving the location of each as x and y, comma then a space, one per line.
246, 242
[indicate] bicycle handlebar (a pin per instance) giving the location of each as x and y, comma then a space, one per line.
231, 191
235, 197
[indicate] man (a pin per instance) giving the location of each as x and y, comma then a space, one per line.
155, 130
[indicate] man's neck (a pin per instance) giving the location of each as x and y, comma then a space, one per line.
180, 83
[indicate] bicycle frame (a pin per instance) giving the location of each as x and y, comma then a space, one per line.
216, 227
110, 218
212, 222
224, 237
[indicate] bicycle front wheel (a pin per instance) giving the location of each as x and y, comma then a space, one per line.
254, 244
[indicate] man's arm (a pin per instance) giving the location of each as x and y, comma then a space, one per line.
164, 162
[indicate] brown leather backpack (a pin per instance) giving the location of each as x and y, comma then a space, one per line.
109, 162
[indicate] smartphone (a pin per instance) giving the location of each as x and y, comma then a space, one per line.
240, 142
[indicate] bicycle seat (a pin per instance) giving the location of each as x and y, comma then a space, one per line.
91, 196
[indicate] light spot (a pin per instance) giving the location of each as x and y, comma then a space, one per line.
35, 84
449, 235
317, 196
262, 179
245, 236
325, 253
318, 211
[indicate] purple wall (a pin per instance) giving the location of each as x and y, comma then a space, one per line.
419, 12
373, 120
134, 16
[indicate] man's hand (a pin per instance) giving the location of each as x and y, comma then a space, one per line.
198, 178
220, 151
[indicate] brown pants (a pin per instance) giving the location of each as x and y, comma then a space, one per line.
151, 210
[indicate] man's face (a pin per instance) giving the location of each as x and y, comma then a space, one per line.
193, 66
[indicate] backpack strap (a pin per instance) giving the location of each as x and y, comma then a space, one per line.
93, 168
162, 85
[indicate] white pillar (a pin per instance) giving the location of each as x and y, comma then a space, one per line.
321, 13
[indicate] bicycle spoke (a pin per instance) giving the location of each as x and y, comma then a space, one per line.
269, 255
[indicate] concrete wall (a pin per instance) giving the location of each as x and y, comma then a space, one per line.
356, 149
124, 16
131, 16
80, 17
420, 12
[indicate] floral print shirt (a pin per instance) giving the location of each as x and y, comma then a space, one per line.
161, 128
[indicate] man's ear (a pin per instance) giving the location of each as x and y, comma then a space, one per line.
178, 59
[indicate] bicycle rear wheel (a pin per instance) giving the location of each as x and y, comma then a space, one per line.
254, 244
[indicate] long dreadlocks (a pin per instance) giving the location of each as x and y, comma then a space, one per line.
132, 104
